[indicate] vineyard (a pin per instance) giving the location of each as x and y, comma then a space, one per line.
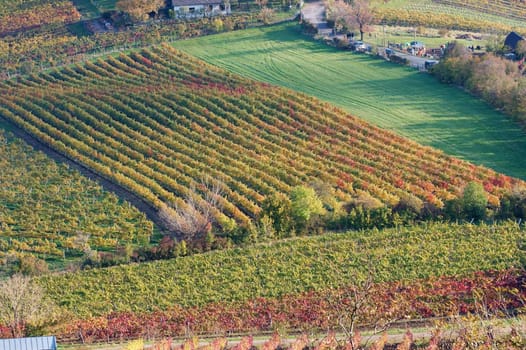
19, 14
515, 9
156, 121
309, 311
406, 17
290, 279
46, 206
289, 267
412, 104
474, 15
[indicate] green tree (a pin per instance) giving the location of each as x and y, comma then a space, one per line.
305, 206
276, 209
474, 201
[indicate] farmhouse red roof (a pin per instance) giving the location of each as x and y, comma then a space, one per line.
195, 2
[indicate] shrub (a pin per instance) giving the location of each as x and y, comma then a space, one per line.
474, 201
305, 206
399, 60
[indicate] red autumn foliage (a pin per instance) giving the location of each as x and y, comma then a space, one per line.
433, 297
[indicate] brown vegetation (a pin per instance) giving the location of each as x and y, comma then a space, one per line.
497, 80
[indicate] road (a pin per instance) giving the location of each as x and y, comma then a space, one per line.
314, 12
414, 61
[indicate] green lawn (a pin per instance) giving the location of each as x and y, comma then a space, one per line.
104, 5
86, 9
401, 99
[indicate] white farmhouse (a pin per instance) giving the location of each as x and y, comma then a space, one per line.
200, 8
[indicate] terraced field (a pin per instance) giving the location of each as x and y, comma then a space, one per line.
400, 99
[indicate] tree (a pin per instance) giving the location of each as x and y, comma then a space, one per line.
139, 10
305, 205
194, 218
474, 201
354, 304
361, 16
217, 25
356, 15
262, 3
21, 303
520, 50
265, 15
277, 212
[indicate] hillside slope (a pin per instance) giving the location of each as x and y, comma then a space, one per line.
157, 121
51, 212
399, 99
289, 267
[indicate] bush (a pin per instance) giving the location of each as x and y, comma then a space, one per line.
474, 201
277, 208
305, 206
217, 25
399, 60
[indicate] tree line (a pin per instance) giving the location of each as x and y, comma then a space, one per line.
499, 81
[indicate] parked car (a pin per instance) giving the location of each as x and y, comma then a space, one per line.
358, 46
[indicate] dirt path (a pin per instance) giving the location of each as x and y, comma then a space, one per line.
314, 13
149, 210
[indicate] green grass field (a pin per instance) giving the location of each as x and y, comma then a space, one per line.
86, 9
397, 98
104, 5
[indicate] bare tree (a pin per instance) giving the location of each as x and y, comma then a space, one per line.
21, 303
354, 306
195, 216
361, 16
262, 3
355, 15
265, 15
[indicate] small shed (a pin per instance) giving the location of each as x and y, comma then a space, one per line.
512, 39
32, 343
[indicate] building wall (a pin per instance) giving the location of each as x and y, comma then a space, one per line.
196, 11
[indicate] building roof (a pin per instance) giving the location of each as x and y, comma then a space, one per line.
195, 2
33, 343
512, 39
